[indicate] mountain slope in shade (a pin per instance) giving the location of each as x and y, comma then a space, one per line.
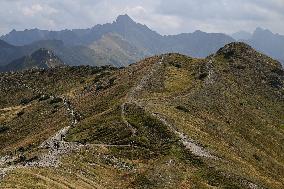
168, 121
71, 55
241, 35
197, 44
41, 58
21, 38
9, 53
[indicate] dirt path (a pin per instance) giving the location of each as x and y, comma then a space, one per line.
131, 96
184, 139
56, 145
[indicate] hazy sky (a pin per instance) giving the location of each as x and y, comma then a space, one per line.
164, 16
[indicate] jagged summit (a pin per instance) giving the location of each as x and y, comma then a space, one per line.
242, 55
124, 19
198, 32
261, 30
46, 58
260, 34
43, 53
238, 50
235, 48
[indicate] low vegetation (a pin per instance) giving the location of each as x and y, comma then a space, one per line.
144, 126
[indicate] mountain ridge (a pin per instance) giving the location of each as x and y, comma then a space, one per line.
142, 40
140, 37
215, 122
266, 42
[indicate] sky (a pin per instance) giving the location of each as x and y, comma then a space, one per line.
163, 16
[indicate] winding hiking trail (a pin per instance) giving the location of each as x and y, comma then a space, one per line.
57, 146
132, 98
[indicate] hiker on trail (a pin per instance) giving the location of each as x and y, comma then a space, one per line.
56, 145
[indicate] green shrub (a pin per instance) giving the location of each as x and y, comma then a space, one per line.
3, 128
182, 108
25, 101
44, 97
20, 113
56, 100
202, 76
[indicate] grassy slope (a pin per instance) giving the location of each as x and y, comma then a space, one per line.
115, 50
232, 106
237, 119
30, 117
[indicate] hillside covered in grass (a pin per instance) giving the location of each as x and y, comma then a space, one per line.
169, 121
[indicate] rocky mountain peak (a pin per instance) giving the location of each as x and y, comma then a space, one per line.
42, 52
244, 54
124, 19
47, 57
235, 48
260, 33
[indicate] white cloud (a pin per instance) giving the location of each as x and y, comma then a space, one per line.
32, 10
165, 16
226, 15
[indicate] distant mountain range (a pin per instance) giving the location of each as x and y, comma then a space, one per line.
124, 42
71, 55
241, 35
119, 43
264, 41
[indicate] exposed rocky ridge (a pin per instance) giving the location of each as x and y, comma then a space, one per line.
169, 121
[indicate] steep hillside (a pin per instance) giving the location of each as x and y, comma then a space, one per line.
169, 121
41, 58
114, 49
9, 53
71, 55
